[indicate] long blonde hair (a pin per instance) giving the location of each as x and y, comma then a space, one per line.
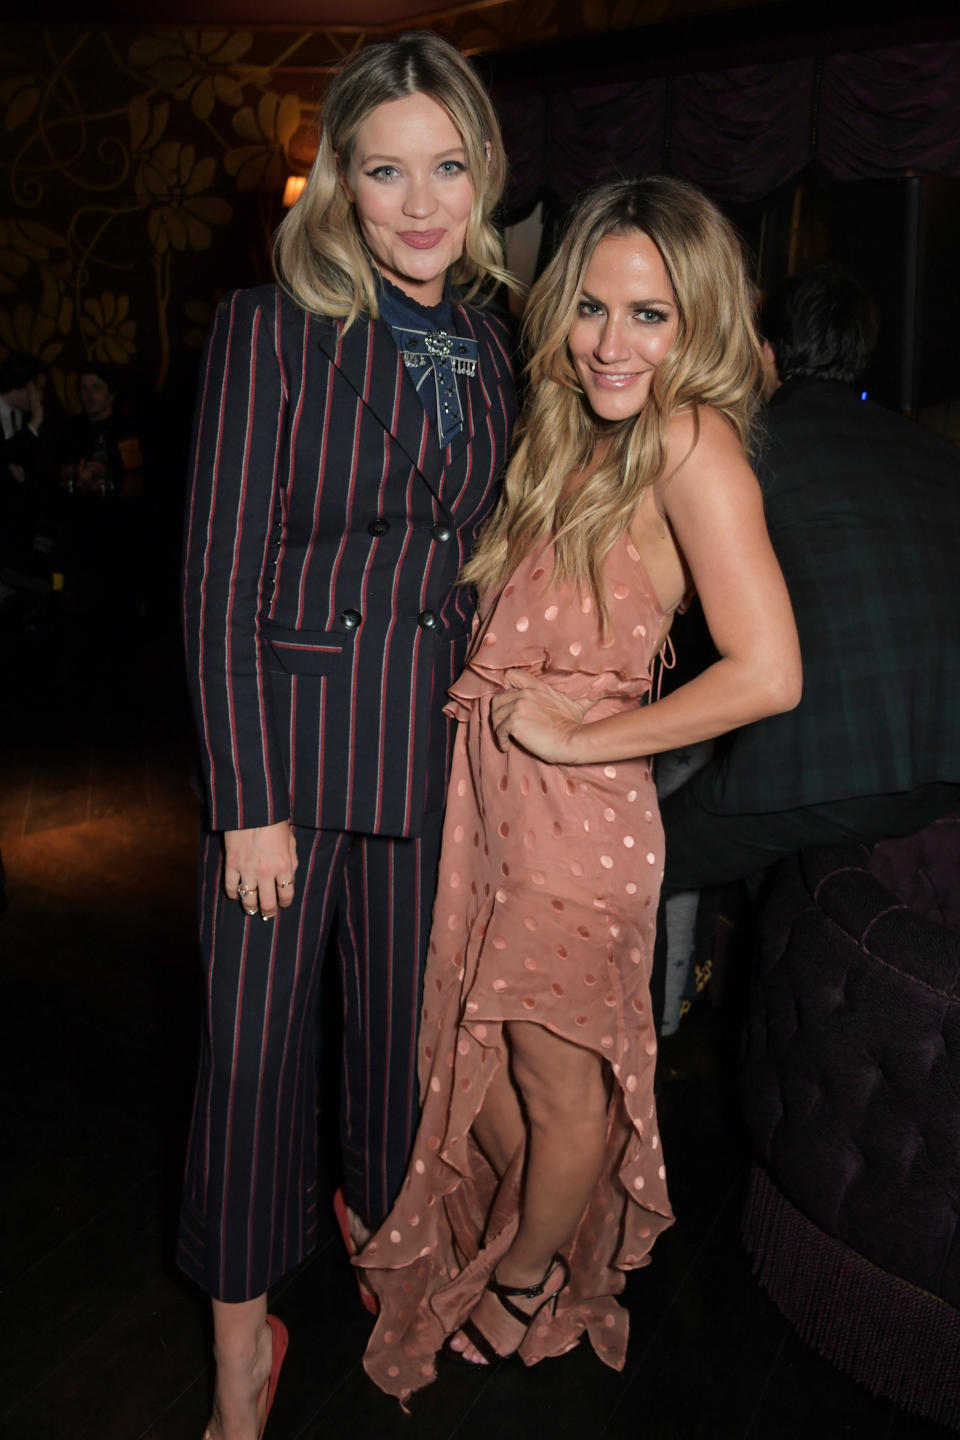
319, 256
714, 360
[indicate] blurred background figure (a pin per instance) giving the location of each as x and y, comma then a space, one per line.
26, 491
863, 507
102, 478
102, 450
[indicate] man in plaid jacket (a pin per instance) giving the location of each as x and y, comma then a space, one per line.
863, 508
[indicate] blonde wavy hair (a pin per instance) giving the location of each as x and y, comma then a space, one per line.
714, 360
319, 256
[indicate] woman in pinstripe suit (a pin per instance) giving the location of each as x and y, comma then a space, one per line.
350, 427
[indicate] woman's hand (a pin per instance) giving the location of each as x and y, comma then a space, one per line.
260, 866
538, 717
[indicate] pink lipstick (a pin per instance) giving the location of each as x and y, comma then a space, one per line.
421, 239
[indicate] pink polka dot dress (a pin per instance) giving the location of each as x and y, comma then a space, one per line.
545, 912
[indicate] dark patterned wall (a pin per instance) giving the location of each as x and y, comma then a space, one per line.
142, 169
142, 175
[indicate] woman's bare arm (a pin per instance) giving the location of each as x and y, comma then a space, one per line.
713, 504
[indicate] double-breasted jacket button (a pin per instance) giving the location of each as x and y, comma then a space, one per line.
441, 532
350, 619
380, 526
428, 619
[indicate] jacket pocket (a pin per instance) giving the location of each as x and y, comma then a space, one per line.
300, 652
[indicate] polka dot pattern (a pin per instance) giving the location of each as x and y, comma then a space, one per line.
547, 891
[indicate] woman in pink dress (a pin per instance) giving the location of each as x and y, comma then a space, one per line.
537, 1179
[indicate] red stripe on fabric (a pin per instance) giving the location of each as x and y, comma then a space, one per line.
320, 477
479, 372
351, 486
212, 950
413, 1020
351, 493
361, 978
371, 555
345, 527
368, 367
352, 738
411, 700
397, 398
391, 628
285, 493
321, 756
266, 720
411, 730
454, 504
293, 736
498, 336
424, 440
501, 339
295, 1147
306, 1015
388, 1036
255, 1154
232, 584
224, 1228
494, 469
278, 342
208, 544
384, 476
368, 1087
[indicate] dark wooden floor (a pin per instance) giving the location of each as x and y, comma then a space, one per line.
101, 1337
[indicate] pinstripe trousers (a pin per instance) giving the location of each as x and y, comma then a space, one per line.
249, 1212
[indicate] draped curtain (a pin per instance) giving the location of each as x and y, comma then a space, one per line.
742, 132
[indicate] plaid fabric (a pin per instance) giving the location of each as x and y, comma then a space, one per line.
863, 508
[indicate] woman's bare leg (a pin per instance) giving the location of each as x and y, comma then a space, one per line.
243, 1345
564, 1097
499, 1128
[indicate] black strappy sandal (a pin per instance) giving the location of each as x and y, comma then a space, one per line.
506, 1294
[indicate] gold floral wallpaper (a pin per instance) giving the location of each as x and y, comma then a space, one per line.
141, 175
141, 169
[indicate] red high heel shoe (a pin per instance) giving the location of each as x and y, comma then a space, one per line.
367, 1297
281, 1340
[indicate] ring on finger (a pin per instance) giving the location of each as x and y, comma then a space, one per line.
282, 885
245, 889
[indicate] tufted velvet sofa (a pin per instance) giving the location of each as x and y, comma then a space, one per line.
851, 1091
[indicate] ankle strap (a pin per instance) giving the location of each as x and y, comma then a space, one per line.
524, 1292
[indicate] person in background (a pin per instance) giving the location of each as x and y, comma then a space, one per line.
351, 424
25, 512
100, 445
863, 508
101, 478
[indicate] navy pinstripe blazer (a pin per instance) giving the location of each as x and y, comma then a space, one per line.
325, 531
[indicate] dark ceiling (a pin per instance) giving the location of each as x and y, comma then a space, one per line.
363, 14
558, 43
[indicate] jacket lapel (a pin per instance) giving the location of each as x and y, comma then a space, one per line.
369, 361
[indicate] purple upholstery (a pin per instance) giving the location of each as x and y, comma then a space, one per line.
851, 1093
